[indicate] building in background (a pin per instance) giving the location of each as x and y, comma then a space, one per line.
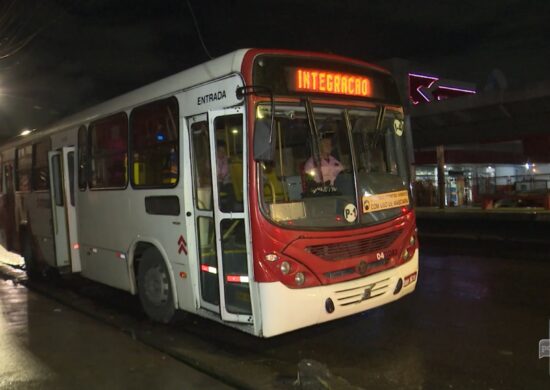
495, 142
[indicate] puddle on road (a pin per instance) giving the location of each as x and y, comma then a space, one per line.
13, 353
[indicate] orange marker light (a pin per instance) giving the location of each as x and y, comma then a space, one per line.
324, 81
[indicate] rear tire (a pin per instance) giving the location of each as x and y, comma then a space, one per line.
154, 287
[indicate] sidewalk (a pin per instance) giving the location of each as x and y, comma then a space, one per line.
501, 214
519, 232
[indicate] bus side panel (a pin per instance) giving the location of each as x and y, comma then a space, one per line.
30, 224
105, 231
170, 233
39, 222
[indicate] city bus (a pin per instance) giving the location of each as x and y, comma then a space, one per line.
266, 189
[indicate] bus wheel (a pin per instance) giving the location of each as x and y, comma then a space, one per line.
155, 290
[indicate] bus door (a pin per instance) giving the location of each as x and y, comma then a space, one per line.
62, 185
7, 207
219, 174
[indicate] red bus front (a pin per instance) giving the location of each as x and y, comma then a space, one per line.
333, 228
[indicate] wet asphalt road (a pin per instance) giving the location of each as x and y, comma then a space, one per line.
474, 322
46, 345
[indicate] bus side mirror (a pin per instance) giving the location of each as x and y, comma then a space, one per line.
264, 147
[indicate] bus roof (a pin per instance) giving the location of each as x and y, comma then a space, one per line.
199, 74
219, 67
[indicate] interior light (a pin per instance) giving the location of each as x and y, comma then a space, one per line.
26, 132
235, 131
259, 113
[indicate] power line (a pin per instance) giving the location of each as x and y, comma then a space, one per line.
198, 30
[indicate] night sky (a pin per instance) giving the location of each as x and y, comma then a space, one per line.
90, 50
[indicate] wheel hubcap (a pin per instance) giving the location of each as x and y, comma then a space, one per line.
156, 286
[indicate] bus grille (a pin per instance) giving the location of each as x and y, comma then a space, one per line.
362, 293
351, 270
345, 250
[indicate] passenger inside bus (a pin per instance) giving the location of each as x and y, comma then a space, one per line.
222, 164
115, 175
225, 183
229, 162
330, 167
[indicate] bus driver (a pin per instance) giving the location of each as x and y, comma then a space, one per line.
330, 166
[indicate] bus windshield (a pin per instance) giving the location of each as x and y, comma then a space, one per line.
334, 166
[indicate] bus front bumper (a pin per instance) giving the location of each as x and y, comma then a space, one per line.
285, 309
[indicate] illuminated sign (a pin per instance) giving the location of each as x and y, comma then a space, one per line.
388, 200
323, 81
426, 89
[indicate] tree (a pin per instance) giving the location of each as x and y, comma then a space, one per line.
20, 22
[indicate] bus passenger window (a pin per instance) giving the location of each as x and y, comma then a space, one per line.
40, 171
82, 157
202, 171
8, 178
155, 147
229, 162
108, 152
23, 168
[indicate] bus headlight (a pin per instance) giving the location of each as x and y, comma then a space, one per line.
299, 278
271, 257
287, 270
410, 248
285, 267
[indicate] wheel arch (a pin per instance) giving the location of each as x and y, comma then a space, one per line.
138, 247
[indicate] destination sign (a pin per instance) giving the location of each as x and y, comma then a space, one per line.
323, 81
311, 75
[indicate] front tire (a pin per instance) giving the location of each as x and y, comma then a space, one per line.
154, 287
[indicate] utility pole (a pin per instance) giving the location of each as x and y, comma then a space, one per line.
440, 152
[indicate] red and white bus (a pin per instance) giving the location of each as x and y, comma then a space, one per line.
266, 189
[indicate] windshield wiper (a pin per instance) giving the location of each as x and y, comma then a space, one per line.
314, 132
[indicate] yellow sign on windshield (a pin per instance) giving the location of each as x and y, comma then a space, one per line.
385, 201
